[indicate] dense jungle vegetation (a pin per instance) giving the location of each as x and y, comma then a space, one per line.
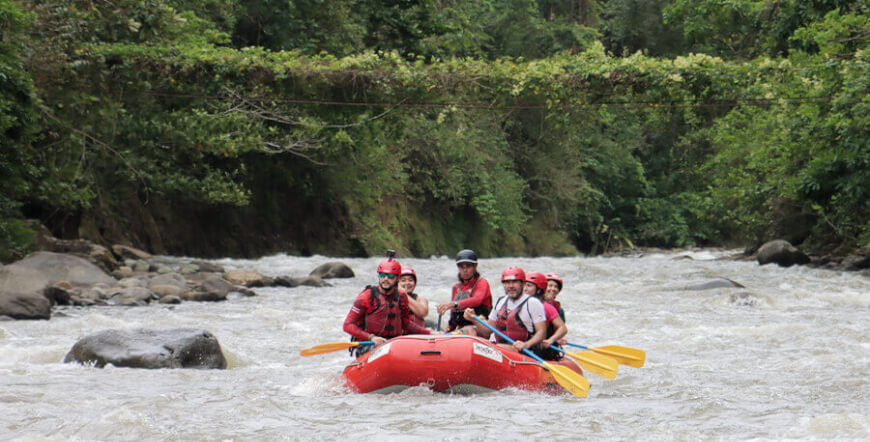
345, 127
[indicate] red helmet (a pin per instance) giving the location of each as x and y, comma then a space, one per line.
537, 279
409, 271
390, 266
513, 274
555, 277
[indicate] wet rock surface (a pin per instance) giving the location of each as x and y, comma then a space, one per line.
147, 348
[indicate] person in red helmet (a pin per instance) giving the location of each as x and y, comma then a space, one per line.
519, 316
536, 285
471, 291
419, 305
381, 312
554, 287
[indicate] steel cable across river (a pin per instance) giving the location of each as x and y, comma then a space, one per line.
786, 357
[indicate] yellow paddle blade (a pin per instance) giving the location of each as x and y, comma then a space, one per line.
601, 365
327, 348
570, 379
624, 355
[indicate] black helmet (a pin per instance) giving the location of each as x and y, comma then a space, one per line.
466, 255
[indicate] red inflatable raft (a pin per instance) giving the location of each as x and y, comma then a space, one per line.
455, 363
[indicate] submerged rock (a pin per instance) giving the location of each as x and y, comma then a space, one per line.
745, 299
148, 348
715, 284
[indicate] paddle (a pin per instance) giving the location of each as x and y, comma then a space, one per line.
623, 355
567, 378
329, 348
601, 365
438, 328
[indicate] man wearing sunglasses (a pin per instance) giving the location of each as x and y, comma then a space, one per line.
381, 312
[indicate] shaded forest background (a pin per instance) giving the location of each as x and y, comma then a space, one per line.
345, 127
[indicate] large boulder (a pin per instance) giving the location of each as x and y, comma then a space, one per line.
52, 267
860, 260
131, 296
94, 253
248, 278
148, 348
780, 252
24, 305
173, 279
212, 287
22, 283
332, 270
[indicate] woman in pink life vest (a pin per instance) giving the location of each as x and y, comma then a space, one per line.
536, 285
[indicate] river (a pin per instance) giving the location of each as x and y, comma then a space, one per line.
790, 361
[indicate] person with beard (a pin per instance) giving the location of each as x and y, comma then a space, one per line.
519, 316
381, 312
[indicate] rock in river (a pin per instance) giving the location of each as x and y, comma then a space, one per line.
148, 348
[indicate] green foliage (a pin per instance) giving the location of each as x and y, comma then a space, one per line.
310, 26
629, 26
499, 125
750, 28
837, 35
17, 130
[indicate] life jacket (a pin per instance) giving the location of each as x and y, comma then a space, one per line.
414, 318
559, 309
551, 328
383, 315
510, 323
456, 318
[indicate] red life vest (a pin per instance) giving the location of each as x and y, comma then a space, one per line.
511, 324
456, 319
384, 315
414, 318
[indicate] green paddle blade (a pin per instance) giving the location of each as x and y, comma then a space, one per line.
601, 365
327, 348
569, 379
624, 355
